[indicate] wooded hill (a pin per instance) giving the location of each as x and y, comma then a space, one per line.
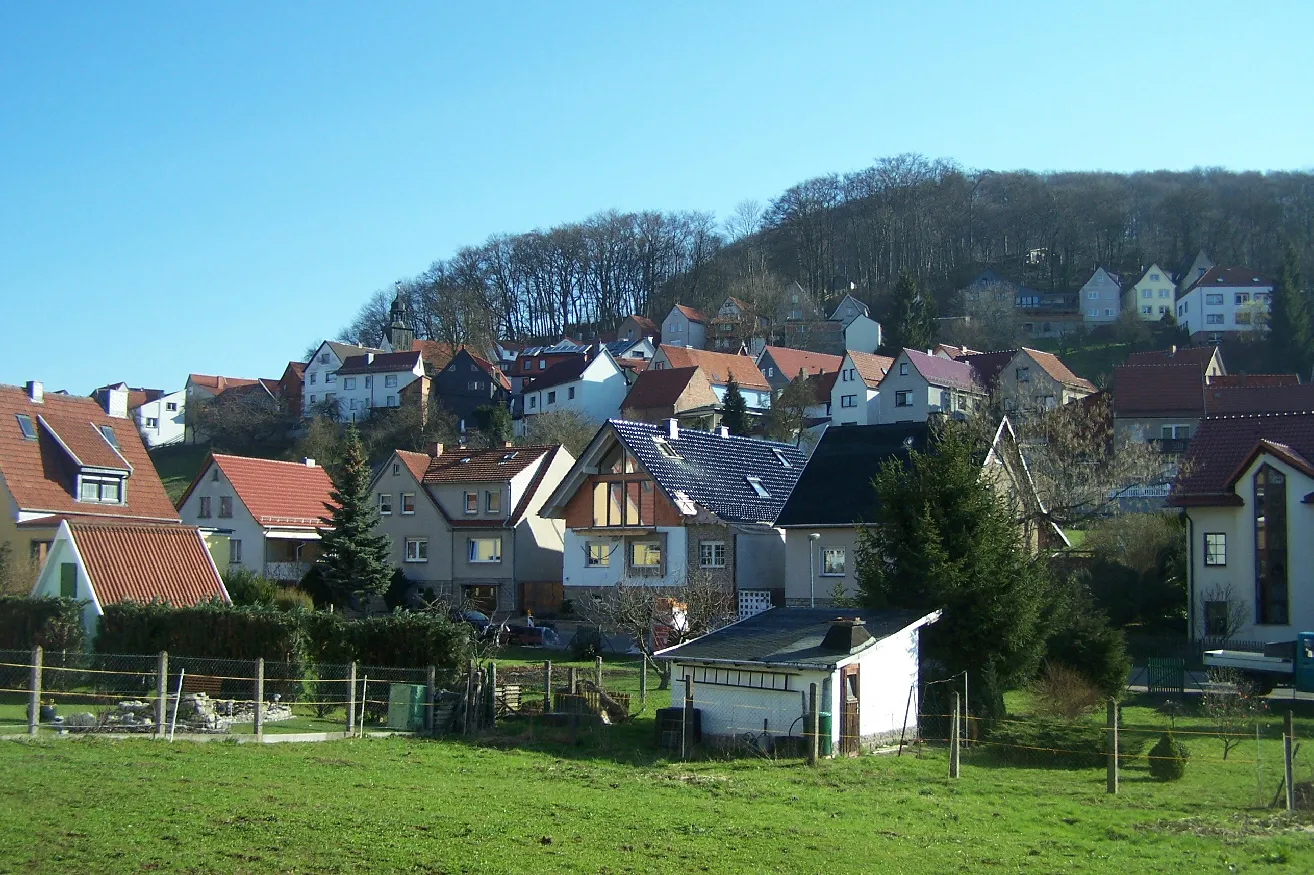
935, 219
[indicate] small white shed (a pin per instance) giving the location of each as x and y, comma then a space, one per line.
751, 679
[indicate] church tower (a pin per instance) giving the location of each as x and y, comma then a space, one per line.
400, 334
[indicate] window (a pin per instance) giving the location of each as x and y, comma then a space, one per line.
1147, 309
645, 554
354, 403
756, 483
396, 468
369, 381
107, 432
225, 507
832, 562
903, 399
474, 385
323, 358
392, 401
312, 379
472, 502
1215, 545
1270, 546
417, 549
385, 504
623, 503
711, 554
1024, 375
599, 556
729, 677
903, 369
1242, 318
1241, 298
234, 551
570, 393
533, 401
408, 503
348, 383
542, 364
152, 422
102, 490
1217, 617
203, 508
1175, 432
25, 427
68, 580
780, 457
1214, 299
1154, 277
1163, 309
331, 377
1214, 319
390, 381
770, 372
665, 448
1163, 293
1148, 293
493, 501
552, 398
312, 399
1092, 313
485, 549
1108, 311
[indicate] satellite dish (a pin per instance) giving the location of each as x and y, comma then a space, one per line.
908, 442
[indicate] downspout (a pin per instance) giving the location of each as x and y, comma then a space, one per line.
1190, 576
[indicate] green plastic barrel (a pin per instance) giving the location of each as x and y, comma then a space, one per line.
823, 729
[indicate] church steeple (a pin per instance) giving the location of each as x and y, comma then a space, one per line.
400, 334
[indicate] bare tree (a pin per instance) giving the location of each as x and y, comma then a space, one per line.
1231, 619
1234, 706
992, 321
569, 428
745, 220
665, 614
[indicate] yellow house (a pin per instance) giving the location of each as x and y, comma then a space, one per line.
1153, 295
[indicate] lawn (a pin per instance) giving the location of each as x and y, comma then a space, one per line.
518, 804
178, 465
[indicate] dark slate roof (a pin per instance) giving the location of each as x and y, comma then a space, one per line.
562, 372
835, 489
713, 470
788, 636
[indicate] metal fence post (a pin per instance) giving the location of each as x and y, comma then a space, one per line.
492, 694
34, 693
643, 682
686, 723
1286, 761
260, 699
351, 698
547, 686
814, 726
430, 694
954, 730
1111, 720
162, 693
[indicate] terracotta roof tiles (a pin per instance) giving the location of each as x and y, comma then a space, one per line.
1058, 371
661, 388
790, 361
693, 315
144, 563
275, 493
872, 368
719, 367
1222, 446
459, 465
1159, 390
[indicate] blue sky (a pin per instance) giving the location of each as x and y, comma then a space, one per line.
213, 187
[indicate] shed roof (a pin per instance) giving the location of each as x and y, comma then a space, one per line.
142, 563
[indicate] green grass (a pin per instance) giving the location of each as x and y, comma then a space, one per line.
178, 465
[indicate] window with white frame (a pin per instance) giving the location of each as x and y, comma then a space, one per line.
599, 555
472, 502
152, 422
1163, 293
1214, 299
390, 381
832, 562
493, 501
485, 550
392, 401
1147, 309
1147, 293
533, 402
711, 554
408, 503
1092, 296
348, 383
417, 549
1154, 277
1214, 319
733, 677
385, 504
331, 377
903, 399
1215, 544
312, 379
646, 554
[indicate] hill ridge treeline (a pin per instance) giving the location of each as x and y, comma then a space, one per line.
932, 218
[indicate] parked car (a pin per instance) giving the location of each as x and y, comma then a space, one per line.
476, 620
529, 636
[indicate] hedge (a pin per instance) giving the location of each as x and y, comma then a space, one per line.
53, 623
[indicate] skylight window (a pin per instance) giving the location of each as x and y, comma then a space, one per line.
465, 460
664, 448
756, 483
509, 456
107, 432
25, 426
780, 457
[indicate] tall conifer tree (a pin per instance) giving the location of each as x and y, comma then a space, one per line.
912, 317
734, 415
1291, 334
353, 560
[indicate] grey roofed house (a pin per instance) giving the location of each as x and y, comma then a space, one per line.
799, 637
836, 487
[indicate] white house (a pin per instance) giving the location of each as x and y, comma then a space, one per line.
1225, 301
1247, 491
1153, 294
685, 326
103, 562
753, 678
593, 385
320, 380
854, 396
861, 332
272, 512
163, 420
919, 385
374, 379
1100, 298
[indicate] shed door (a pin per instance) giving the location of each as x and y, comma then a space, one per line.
849, 731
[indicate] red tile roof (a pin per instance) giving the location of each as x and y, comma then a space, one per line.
1200, 356
1253, 381
40, 474
1229, 278
1224, 445
144, 563
1059, 372
660, 388
943, 372
790, 361
217, 384
955, 351
718, 367
436, 354
1259, 399
822, 385
416, 463
1159, 390
646, 325
493, 371
275, 493
459, 465
693, 315
872, 368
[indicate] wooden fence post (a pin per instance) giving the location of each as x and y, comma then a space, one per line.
954, 729
571, 680
351, 699
814, 726
643, 682
492, 694
260, 699
162, 693
430, 694
686, 723
1287, 732
34, 693
597, 672
547, 686
1111, 720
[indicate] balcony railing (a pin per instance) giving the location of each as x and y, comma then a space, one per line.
286, 570
1171, 445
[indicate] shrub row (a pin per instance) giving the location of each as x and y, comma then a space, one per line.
53, 623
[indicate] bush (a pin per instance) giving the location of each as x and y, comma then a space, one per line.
1168, 758
1081, 638
245, 587
1064, 693
53, 623
398, 589
210, 630
587, 643
1057, 744
289, 598
313, 585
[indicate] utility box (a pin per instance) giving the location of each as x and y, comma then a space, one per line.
406, 707
823, 730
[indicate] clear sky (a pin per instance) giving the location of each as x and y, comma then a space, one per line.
206, 187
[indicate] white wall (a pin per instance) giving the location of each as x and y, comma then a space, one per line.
169, 425
888, 673
678, 330
598, 393
863, 334
729, 711
1100, 299
865, 400
919, 395
1198, 305
244, 526
576, 572
368, 391
314, 382
61, 551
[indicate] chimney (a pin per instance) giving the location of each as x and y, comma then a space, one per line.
434, 449
36, 392
369, 358
508, 444
1172, 350
845, 635
308, 462
673, 429
723, 431
116, 402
